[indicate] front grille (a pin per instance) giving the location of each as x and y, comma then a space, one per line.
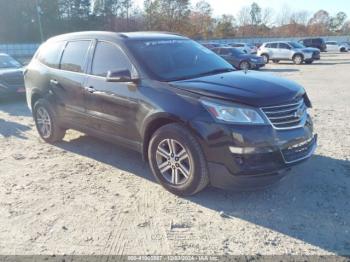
287, 116
299, 151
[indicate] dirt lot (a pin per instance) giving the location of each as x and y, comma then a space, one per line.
85, 196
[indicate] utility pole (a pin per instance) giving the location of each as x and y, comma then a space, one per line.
38, 12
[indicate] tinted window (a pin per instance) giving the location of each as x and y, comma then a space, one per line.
225, 51
50, 54
108, 57
74, 56
284, 46
170, 60
273, 45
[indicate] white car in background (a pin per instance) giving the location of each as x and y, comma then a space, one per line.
246, 48
334, 46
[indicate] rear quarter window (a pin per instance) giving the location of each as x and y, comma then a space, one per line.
74, 56
50, 54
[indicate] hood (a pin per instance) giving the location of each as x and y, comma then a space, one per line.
309, 49
251, 88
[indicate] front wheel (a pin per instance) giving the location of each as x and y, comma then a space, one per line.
244, 65
266, 58
298, 59
46, 122
177, 160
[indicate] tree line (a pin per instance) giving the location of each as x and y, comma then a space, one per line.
20, 19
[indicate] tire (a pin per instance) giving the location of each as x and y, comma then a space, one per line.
298, 59
276, 61
266, 58
244, 65
43, 112
159, 152
309, 62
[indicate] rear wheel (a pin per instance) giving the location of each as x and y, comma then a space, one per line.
46, 122
244, 65
177, 160
309, 62
266, 58
298, 59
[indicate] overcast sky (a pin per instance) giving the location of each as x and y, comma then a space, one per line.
232, 6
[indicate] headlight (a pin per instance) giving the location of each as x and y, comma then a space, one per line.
233, 113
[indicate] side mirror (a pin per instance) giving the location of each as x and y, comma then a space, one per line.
123, 75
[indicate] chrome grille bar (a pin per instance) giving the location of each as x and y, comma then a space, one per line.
287, 116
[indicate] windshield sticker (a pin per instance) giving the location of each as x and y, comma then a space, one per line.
165, 42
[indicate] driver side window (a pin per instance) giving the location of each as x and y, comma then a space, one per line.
109, 57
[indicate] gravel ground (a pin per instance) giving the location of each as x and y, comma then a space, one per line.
85, 196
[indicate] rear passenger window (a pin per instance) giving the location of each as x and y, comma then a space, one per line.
74, 56
273, 45
50, 54
109, 57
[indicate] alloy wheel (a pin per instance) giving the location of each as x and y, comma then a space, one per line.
44, 123
174, 162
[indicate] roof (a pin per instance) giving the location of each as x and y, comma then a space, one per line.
117, 35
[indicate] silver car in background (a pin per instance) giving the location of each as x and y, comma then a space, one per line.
244, 47
334, 46
288, 51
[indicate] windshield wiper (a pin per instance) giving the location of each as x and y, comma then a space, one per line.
211, 72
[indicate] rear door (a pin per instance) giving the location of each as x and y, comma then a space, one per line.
68, 81
112, 106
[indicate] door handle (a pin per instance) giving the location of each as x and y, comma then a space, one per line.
89, 89
54, 82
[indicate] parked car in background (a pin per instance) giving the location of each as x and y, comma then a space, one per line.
318, 43
246, 48
214, 45
334, 46
11, 77
239, 59
293, 51
346, 44
192, 116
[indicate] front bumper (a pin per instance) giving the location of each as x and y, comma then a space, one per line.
250, 157
257, 65
7, 92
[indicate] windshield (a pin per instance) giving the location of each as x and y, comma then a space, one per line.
171, 60
8, 62
296, 45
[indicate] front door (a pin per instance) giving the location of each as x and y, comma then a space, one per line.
284, 51
112, 106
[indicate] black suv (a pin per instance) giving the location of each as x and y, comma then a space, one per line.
315, 42
184, 108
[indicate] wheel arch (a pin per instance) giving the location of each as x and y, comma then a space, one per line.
301, 54
157, 121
